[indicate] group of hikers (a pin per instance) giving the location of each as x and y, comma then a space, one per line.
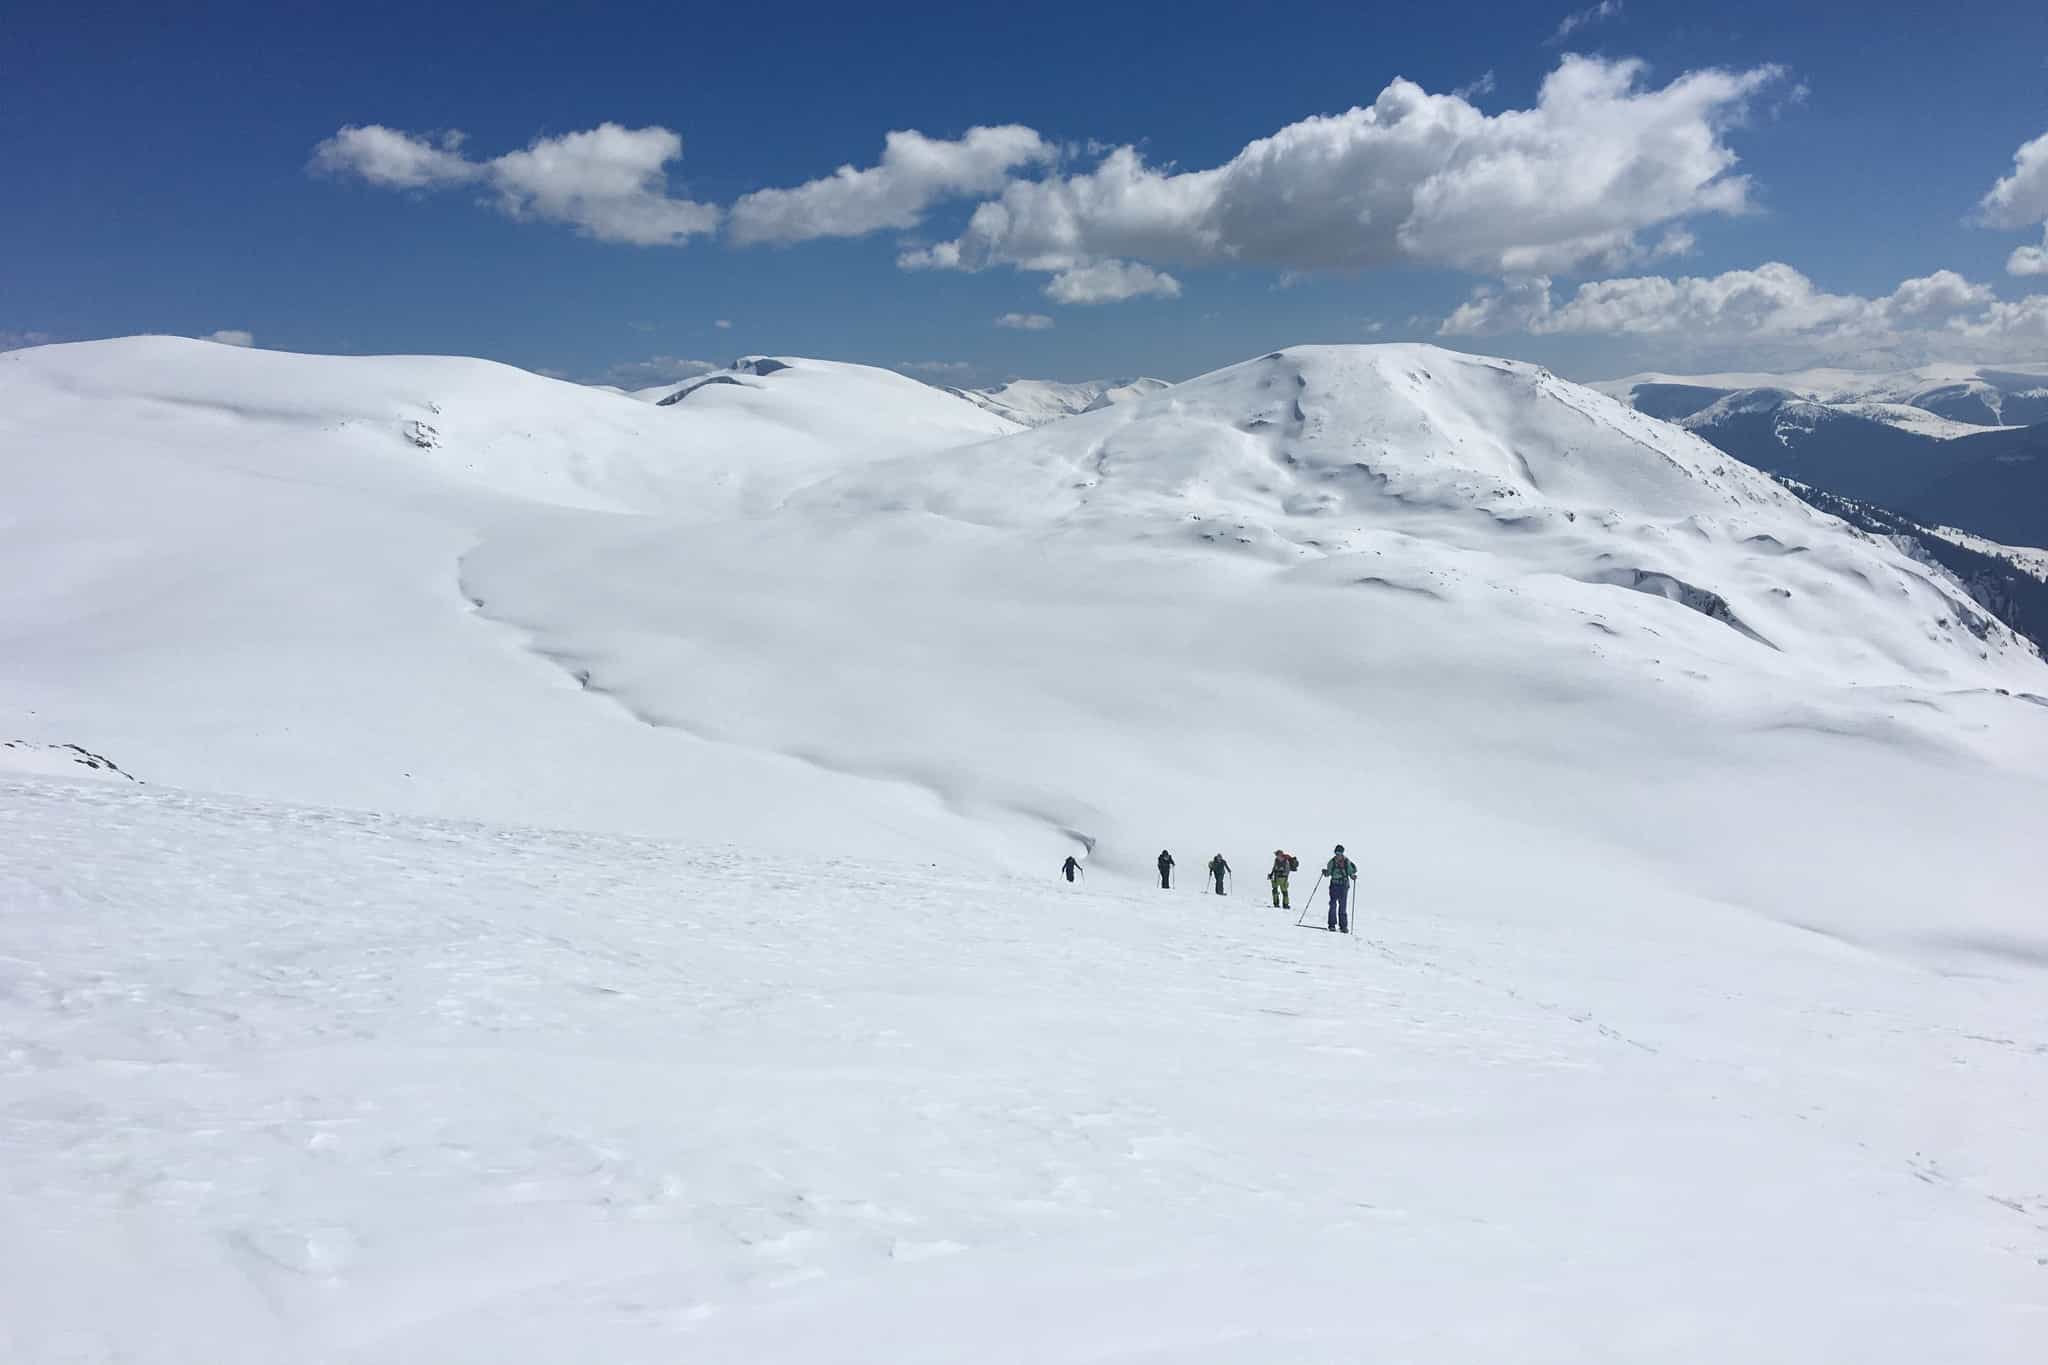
1340, 872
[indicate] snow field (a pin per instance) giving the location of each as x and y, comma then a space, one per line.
290, 1082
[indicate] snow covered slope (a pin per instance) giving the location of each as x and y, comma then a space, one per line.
1698, 829
1195, 613
1034, 402
285, 1083
241, 570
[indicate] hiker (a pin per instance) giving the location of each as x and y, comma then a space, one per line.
1165, 870
1284, 865
1219, 869
1070, 866
1341, 872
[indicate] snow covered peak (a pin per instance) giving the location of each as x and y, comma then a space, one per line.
1313, 432
1466, 477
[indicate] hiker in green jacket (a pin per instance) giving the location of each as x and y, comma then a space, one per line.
1285, 864
1341, 872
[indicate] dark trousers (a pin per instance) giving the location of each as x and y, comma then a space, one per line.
1070, 873
1219, 883
1165, 878
1340, 906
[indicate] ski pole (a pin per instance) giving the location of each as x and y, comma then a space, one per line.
1302, 923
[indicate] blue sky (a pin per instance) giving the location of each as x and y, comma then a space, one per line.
169, 177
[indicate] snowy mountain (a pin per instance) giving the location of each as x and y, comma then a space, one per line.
589, 889
1962, 395
1909, 441
1034, 402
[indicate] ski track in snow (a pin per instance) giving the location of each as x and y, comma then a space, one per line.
317, 1084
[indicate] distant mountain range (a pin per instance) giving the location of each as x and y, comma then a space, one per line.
1034, 402
1945, 445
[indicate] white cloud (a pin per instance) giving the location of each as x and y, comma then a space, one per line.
1936, 298
2005, 327
939, 256
2020, 199
1414, 179
2029, 260
231, 336
1577, 20
17, 341
915, 172
1110, 282
723, 324
396, 161
655, 369
1025, 322
950, 369
1675, 242
1774, 308
609, 183
1472, 89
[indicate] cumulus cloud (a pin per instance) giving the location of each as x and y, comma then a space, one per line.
1774, 305
609, 183
1025, 322
1578, 19
231, 336
1414, 179
1110, 282
2020, 199
394, 160
655, 369
914, 173
2029, 260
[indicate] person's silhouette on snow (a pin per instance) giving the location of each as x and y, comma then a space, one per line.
1070, 867
1165, 870
1284, 864
1341, 872
1218, 869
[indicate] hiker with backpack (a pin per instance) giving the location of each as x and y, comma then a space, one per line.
1218, 869
1341, 872
1285, 864
1165, 870
1071, 866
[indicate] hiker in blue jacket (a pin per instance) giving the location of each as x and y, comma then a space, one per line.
1341, 872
